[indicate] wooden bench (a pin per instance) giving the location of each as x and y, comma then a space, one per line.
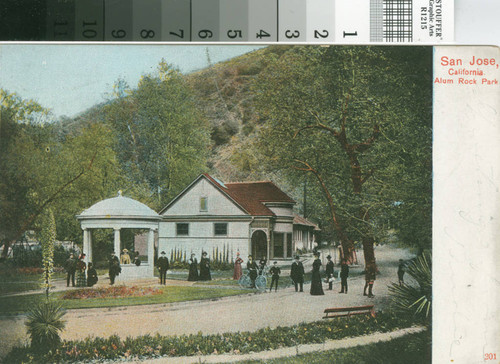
348, 311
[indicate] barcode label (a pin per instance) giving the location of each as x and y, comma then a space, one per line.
398, 21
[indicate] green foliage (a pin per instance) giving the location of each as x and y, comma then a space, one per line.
47, 239
412, 348
241, 342
416, 301
45, 323
379, 99
27, 256
162, 140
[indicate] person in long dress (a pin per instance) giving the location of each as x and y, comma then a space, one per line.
81, 267
316, 285
238, 271
193, 268
205, 268
252, 270
91, 275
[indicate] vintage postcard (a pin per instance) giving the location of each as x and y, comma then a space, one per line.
249, 203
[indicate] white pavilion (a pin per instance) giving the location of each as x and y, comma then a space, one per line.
121, 213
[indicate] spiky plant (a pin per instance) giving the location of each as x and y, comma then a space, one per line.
415, 299
45, 323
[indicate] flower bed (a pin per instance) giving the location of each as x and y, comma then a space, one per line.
112, 292
115, 348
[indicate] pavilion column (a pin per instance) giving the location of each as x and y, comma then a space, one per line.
151, 251
117, 243
86, 244
89, 254
268, 238
285, 243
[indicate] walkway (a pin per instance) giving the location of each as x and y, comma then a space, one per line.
248, 312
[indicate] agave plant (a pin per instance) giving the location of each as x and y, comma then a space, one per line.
415, 299
44, 324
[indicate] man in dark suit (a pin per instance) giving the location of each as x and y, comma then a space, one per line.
70, 267
297, 274
163, 266
252, 270
114, 268
329, 272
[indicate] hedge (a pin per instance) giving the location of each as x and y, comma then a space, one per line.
154, 346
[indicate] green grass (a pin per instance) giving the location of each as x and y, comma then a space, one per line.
409, 349
15, 283
20, 304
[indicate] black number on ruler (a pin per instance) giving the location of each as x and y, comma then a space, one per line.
234, 34
60, 31
205, 34
89, 33
180, 35
120, 33
290, 35
324, 34
147, 33
262, 34
355, 34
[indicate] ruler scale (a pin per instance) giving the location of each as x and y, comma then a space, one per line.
239, 21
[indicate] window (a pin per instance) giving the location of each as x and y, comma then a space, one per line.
182, 228
278, 245
220, 228
203, 203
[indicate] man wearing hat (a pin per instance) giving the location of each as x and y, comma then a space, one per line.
163, 266
329, 272
252, 270
125, 258
114, 268
297, 274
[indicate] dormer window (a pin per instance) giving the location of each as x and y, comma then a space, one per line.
203, 203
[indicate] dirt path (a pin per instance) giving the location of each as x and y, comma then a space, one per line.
231, 314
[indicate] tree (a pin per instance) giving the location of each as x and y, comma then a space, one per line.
343, 117
42, 168
162, 139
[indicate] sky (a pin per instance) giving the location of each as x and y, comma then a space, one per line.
70, 78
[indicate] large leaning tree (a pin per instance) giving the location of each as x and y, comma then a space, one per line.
356, 122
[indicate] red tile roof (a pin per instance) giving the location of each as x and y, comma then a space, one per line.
252, 195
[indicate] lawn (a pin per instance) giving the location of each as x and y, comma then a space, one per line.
20, 304
14, 281
413, 348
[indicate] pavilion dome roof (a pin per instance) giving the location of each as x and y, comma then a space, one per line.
119, 206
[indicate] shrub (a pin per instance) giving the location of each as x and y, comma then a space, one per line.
148, 346
415, 301
112, 292
27, 257
44, 324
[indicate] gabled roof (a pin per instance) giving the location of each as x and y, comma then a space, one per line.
252, 196
249, 196
299, 220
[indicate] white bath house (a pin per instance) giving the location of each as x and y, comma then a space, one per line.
248, 217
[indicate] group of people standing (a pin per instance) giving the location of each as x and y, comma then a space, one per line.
204, 274
204, 268
297, 275
86, 276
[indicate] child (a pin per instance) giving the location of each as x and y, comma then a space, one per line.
275, 271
